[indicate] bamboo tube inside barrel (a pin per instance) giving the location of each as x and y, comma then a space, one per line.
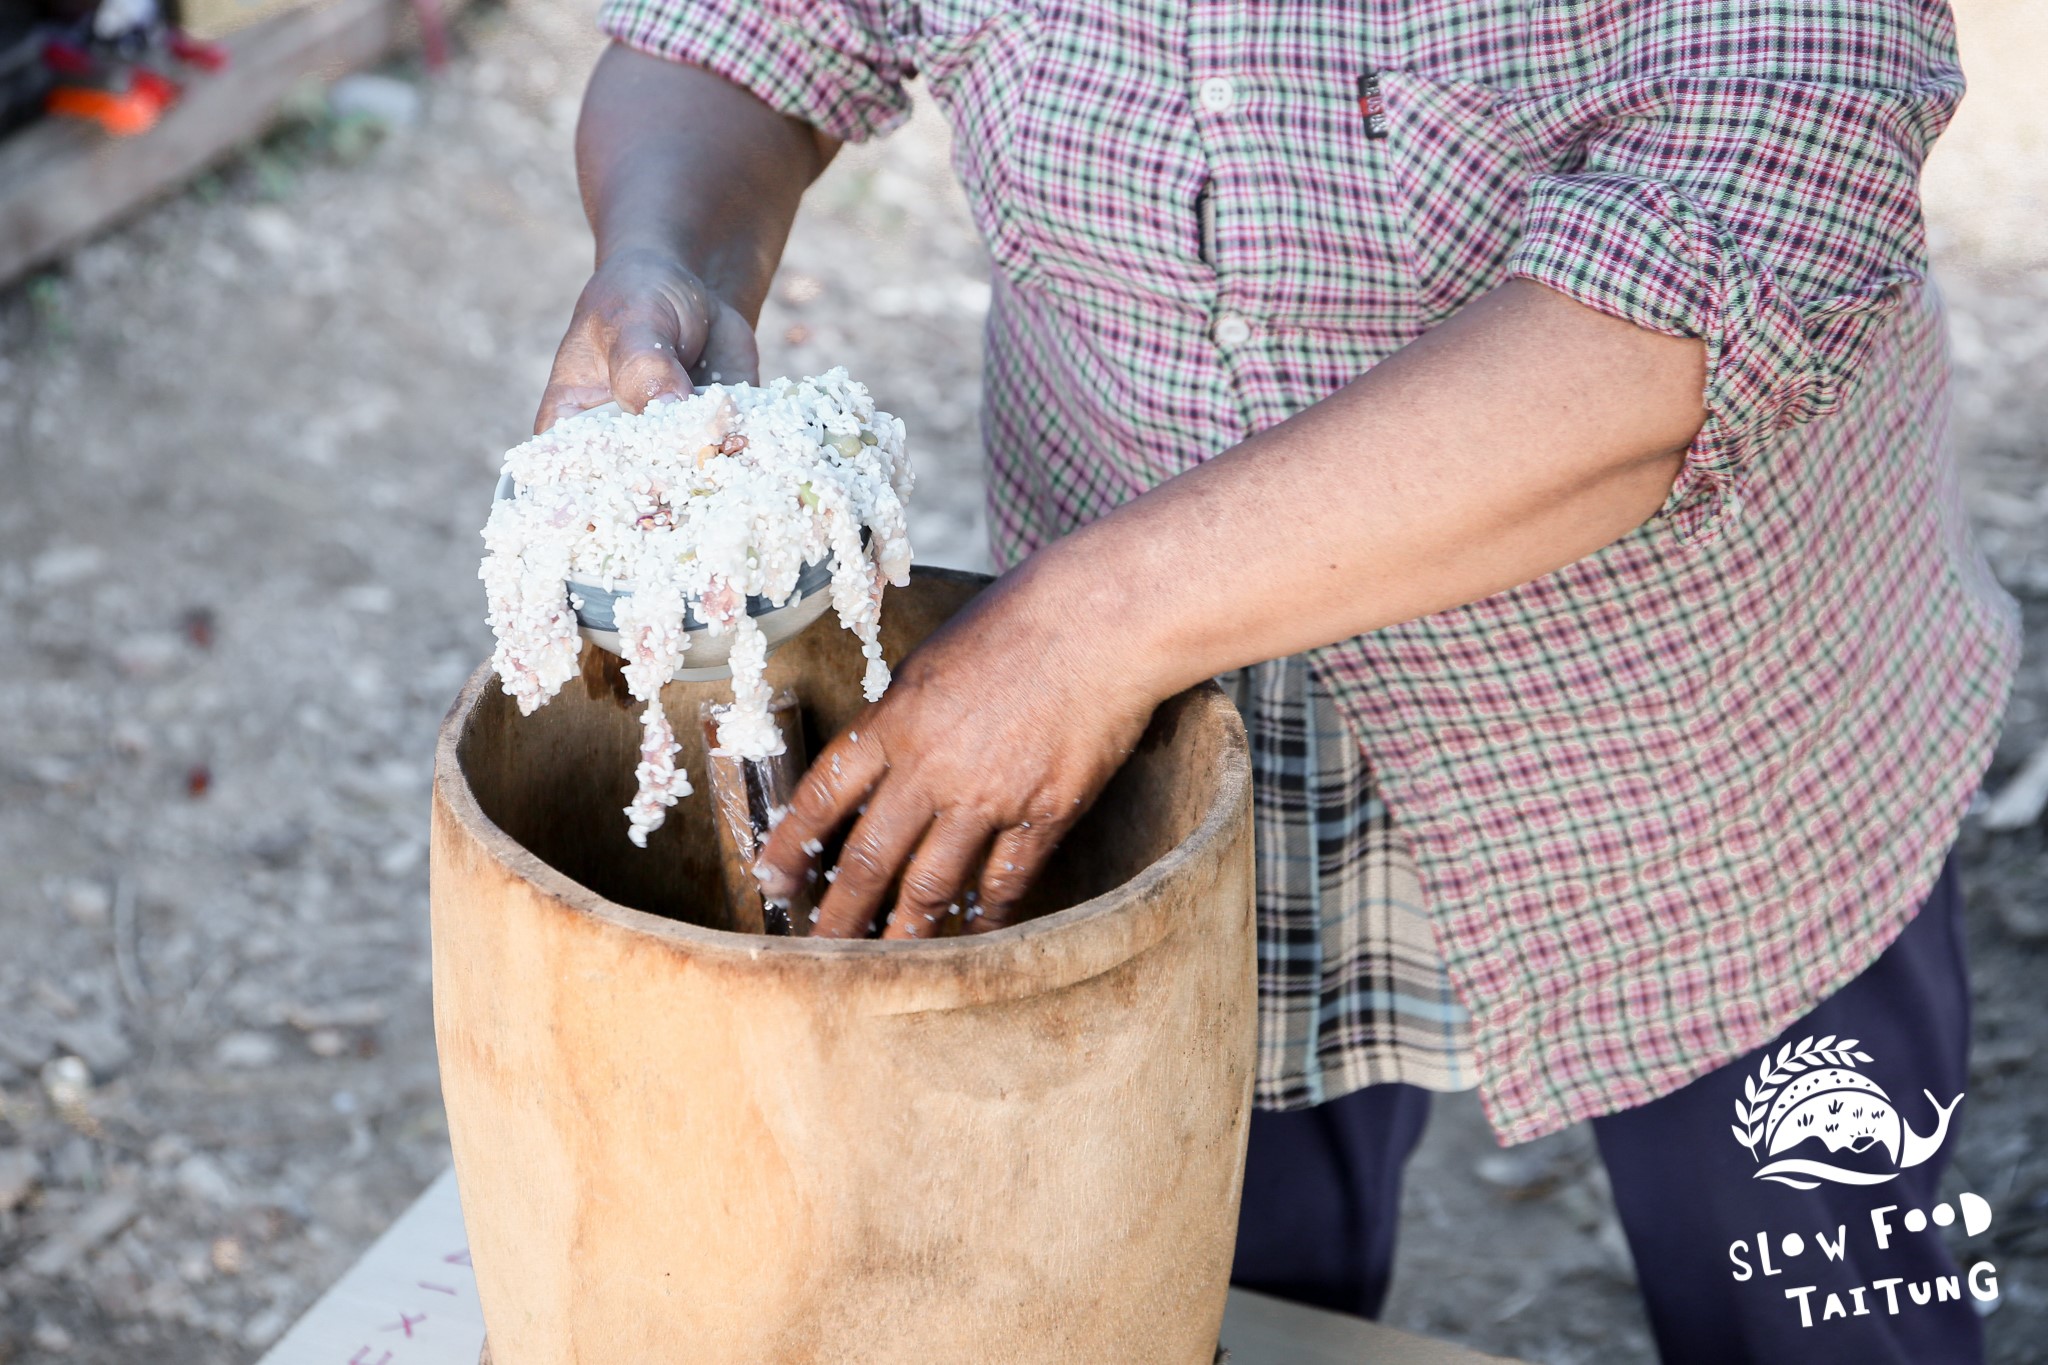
747, 797
679, 1143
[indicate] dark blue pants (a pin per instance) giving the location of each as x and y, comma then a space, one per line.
1323, 1190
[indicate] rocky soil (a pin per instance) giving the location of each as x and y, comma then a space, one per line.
246, 444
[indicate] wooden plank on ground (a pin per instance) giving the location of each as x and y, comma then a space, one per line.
61, 182
411, 1300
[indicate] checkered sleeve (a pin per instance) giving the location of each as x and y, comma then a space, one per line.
835, 64
1746, 173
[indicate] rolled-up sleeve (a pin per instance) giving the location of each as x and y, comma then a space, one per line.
835, 64
1745, 172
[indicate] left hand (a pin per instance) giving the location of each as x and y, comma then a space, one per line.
994, 738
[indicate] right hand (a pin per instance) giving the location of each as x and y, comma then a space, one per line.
646, 326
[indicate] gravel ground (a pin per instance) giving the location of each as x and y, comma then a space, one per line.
247, 443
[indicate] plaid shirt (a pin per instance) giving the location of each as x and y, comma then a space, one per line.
1353, 990
1660, 801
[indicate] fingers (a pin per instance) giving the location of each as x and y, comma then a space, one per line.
839, 779
642, 326
566, 400
646, 362
634, 361
938, 877
731, 353
576, 382
631, 363
874, 853
1013, 864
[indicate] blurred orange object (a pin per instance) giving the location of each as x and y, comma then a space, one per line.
122, 113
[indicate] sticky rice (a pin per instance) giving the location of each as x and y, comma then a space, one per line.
695, 505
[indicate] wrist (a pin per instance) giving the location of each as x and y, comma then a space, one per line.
1109, 621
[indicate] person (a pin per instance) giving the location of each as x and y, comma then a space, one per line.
1534, 414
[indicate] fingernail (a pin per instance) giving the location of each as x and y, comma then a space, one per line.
773, 881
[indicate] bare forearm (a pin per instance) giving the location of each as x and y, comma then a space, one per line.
677, 160
691, 184
1521, 435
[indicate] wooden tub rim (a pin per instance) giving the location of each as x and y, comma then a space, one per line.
1044, 954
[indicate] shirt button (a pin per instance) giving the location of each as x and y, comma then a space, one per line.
1231, 330
1218, 93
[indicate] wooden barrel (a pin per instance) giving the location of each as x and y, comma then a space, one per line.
677, 1143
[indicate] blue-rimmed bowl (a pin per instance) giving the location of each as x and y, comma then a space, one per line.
706, 659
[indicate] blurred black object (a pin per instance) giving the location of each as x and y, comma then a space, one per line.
24, 80
107, 62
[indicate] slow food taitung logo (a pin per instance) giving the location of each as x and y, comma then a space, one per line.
1810, 1116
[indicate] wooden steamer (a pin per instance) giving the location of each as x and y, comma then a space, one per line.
680, 1144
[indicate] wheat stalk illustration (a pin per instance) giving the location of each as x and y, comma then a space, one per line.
1771, 1074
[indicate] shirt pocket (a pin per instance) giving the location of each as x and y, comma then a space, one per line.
979, 59
1459, 173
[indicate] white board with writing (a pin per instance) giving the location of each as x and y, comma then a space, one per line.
411, 1299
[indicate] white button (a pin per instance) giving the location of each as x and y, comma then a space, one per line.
1231, 330
1218, 94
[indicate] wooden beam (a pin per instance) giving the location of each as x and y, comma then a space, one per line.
61, 182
